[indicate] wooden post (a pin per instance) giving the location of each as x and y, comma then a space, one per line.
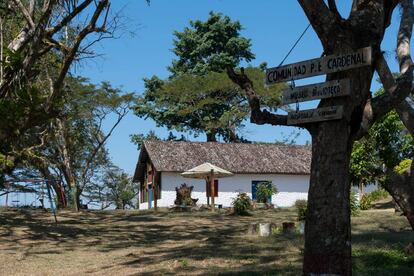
155, 187
212, 189
361, 190
207, 191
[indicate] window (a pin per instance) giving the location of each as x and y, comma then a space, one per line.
208, 188
255, 183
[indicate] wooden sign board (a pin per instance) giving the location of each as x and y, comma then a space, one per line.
319, 66
315, 115
336, 88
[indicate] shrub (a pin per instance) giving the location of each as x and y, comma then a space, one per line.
367, 199
265, 190
365, 202
354, 204
241, 204
378, 194
301, 206
403, 166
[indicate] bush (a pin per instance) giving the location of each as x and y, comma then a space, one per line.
301, 206
367, 199
378, 194
354, 204
365, 202
265, 190
241, 204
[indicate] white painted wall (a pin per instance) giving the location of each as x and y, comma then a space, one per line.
291, 188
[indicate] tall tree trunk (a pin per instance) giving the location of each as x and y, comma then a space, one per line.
57, 186
61, 200
328, 231
211, 136
233, 136
76, 198
401, 188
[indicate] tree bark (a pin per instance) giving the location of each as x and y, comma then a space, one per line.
61, 200
401, 188
211, 136
328, 231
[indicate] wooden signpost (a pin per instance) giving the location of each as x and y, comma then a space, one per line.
336, 88
319, 66
315, 115
316, 67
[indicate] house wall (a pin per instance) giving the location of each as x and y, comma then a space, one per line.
291, 188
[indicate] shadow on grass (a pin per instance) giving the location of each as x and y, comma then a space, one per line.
382, 262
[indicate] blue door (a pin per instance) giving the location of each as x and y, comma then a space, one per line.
254, 190
150, 195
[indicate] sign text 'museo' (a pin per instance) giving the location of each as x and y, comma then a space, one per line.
319, 66
336, 88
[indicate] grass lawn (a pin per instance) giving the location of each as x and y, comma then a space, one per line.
147, 243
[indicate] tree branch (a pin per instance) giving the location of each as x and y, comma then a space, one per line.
333, 8
26, 13
404, 36
395, 90
320, 17
64, 22
101, 143
90, 28
405, 111
257, 115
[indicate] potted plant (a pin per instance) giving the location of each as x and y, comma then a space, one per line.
301, 206
264, 191
241, 204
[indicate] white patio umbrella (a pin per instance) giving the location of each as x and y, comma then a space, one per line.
209, 172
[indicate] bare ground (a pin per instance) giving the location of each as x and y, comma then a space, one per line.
147, 243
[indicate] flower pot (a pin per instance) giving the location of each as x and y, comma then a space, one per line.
264, 229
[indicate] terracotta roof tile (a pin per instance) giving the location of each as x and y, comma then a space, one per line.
234, 157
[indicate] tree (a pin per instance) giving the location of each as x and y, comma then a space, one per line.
138, 139
328, 232
114, 188
399, 181
386, 145
73, 147
198, 96
40, 40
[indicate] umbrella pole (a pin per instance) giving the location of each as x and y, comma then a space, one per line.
207, 191
212, 190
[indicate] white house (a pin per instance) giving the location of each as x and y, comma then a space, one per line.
160, 164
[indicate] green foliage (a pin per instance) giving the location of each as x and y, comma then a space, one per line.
301, 206
354, 205
365, 202
378, 194
210, 46
201, 104
265, 190
138, 139
368, 198
387, 144
199, 97
365, 163
403, 167
241, 204
120, 189
379, 260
